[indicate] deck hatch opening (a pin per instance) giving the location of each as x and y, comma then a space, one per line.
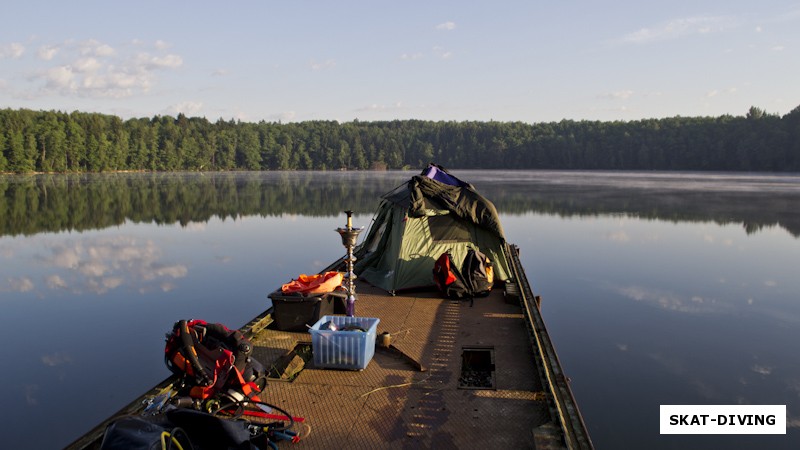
288, 366
477, 368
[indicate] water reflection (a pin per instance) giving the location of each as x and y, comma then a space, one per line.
92, 264
645, 313
48, 203
657, 288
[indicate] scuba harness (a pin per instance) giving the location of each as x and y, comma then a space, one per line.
213, 360
216, 405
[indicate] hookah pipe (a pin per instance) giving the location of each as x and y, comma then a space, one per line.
349, 236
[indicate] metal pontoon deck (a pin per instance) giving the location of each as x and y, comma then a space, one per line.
413, 393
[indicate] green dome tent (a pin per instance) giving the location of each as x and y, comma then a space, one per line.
415, 223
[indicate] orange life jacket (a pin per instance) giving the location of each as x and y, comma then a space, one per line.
314, 284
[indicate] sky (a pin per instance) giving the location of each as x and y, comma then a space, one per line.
294, 61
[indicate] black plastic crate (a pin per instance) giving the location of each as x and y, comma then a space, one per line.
294, 312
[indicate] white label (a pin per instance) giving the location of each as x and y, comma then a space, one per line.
723, 419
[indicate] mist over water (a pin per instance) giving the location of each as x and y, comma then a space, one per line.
658, 288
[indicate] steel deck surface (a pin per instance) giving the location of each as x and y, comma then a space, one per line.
409, 396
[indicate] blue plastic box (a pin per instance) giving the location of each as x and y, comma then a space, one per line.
340, 349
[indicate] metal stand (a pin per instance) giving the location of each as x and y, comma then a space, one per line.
349, 238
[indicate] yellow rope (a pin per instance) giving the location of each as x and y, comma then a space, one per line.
164, 436
394, 386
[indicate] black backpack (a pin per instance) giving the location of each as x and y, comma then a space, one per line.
472, 280
476, 270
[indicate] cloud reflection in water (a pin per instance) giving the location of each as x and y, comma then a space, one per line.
101, 264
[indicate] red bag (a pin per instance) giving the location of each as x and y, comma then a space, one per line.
448, 279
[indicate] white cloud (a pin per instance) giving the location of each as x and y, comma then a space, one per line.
146, 61
618, 95
763, 370
176, 271
327, 64
87, 64
22, 284
55, 282
104, 50
187, 108
112, 282
446, 26
679, 28
47, 52
95, 69
60, 78
618, 236
716, 92
94, 268
778, 48
95, 48
442, 53
13, 50
374, 107
411, 56
56, 359
671, 301
168, 61
66, 257
105, 264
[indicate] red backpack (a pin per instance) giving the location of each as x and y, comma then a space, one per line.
448, 278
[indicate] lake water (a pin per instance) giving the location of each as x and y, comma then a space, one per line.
657, 288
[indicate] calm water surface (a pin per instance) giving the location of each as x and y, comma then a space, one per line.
658, 288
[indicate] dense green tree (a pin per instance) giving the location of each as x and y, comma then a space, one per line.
51, 144
76, 142
225, 156
359, 158
248, 148
75, 146
17, 159
3, 160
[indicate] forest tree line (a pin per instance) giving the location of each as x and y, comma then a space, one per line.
53, 141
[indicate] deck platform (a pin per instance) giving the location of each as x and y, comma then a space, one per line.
409, 394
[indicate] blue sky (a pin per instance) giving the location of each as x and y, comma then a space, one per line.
435, 60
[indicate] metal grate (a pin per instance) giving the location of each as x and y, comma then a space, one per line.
477, 368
